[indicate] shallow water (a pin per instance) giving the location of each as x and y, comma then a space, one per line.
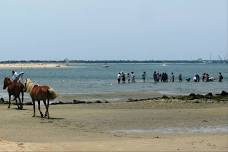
95, 78
208, 129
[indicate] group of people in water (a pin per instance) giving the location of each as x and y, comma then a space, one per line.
164, 77
123, 77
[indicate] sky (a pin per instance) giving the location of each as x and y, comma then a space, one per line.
113, 29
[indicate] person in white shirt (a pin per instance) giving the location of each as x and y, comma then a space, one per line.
16, 76
118, 77
132, 77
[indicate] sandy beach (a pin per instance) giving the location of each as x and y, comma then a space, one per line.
31, 65
118, 126
114, 76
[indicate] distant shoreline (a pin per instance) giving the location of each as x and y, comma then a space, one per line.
110, 61
30, 65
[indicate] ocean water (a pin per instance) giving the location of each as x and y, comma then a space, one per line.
96, 78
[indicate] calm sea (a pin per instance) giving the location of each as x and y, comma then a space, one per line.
96, 78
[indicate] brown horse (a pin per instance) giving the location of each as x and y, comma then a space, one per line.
40, 93
14, 88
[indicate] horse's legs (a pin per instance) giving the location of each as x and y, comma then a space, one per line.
47, 106
34, 111
44, 101
41, 114
17, 103
20, 104
22, 99
9, 101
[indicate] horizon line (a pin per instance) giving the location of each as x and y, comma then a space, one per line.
110, 61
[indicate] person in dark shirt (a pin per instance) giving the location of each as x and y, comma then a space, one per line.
172, 77
144, 76
220, 77
180, 77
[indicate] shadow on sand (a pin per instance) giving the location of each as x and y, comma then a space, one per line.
19, 109
50, 120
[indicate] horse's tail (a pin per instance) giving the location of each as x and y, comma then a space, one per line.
52, 94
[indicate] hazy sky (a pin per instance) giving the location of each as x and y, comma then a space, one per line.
113, 29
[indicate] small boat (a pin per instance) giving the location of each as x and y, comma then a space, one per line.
164, 64
106, 66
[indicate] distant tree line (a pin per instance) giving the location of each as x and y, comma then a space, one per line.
114, 61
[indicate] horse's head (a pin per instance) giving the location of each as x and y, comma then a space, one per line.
7, 82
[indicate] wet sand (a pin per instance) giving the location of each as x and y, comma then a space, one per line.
109, 96
117, 126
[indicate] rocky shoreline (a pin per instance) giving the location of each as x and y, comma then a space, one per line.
193, 98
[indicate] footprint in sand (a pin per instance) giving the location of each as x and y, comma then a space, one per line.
20, 145
211, 145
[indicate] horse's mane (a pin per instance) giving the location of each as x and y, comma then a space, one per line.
29, 85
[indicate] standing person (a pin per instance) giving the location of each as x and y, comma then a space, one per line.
144, 77
194, 78
158, 77
220, 77
197, 78
132, 77
172, 77
206, 77
118, 77
180, 77
155, 76
128, 78
203, 77
163, 77
123, 77
166, 77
